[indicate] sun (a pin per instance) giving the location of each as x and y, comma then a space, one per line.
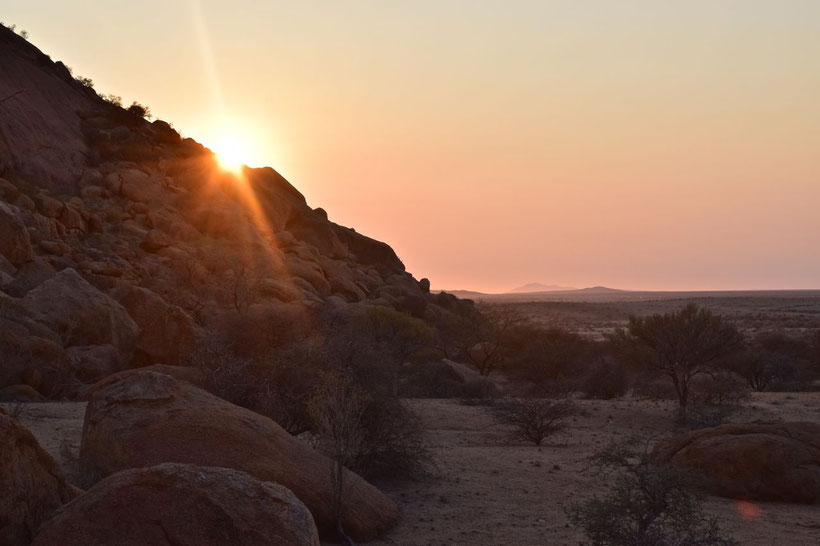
230, 153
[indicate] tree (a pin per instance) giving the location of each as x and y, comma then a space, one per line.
680, 345
649, 503
486, 340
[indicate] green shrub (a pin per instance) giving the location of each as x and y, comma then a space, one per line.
647, 503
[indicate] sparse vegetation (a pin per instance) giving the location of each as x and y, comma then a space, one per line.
648, 504
139, 110
336, 410
679, 345
534, 419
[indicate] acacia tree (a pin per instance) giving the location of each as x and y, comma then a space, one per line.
680, 345
486, 340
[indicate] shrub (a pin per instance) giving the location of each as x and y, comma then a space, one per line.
431, 380
605, 380
336, 410
534, 419
138, 110
394, 443
87, 82
649, 504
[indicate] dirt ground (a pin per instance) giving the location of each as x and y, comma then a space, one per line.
488, 491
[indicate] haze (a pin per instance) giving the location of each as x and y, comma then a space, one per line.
644, 145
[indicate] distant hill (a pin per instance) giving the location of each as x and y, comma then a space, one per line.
550, 292
538, 287
600, 290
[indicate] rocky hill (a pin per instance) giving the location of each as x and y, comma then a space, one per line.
122, 243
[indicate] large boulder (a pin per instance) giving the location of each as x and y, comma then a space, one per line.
81, 314
194, 376
149, 418
182, 504
15, 243
167, 334
765, 462
32, 485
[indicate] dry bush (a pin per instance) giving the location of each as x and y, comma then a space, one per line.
336, 410
648, 504
605, 380
534, 419
226, 374
395, 443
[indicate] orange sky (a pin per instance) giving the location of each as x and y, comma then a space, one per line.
636, 144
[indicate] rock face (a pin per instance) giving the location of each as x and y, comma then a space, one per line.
149, 418
176, 504
15, 244
81, 314
765, 462
32, 485
39, 101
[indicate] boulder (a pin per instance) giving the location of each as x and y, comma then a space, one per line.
182, 504
281, 290
93, 362
15, 243
135, 185
194, 376
29, 359
32, 485
154, 241
764, 462
81, 314
167, 334
20, 393
30, 275
149, 418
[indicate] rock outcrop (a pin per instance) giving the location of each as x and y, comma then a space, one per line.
32, 485
765, 462
148, 418
174, 504
81, 314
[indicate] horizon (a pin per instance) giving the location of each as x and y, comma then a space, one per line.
620, 289
694, 128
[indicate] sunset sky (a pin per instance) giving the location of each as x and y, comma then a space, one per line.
636, 144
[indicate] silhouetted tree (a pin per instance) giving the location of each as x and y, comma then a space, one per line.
680, 345
486, 340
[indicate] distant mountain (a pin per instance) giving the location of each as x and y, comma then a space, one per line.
538, 287
600, 290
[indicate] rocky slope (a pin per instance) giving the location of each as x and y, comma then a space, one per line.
121, 242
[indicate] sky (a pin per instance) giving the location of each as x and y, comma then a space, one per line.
649, 144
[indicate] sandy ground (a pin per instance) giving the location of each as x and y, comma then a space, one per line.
488, 491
